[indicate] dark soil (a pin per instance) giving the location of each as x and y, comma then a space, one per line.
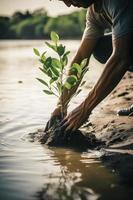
55, 137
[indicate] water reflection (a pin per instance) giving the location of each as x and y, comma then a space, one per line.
27, 167
81, 176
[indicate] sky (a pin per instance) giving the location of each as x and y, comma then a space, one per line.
54, 7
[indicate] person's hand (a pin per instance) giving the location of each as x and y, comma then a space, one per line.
75, 119
55, 116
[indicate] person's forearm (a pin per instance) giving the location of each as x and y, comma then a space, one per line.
112, 74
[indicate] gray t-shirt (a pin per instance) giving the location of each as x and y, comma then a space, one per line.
116, 15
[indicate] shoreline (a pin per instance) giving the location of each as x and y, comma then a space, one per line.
115, 131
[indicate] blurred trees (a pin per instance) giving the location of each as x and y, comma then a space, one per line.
4, 27
38, 25
67, 26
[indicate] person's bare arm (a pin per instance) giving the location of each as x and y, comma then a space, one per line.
114, 70
84, 51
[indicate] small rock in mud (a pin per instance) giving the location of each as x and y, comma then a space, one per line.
20, 82
127, 98
123, 94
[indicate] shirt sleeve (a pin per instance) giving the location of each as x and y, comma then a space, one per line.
93, 28
122, 17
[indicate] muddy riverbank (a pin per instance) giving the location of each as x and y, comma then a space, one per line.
29, 170
104, 125
115, 131
107, 132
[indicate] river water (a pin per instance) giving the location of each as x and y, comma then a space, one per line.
29, 170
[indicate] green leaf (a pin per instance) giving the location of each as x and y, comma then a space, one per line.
43, 54
54, 37
43, 58
43, 70
84, 71
51, 46
45, 67
48, 62
49, 73
36, 52
65, 61
66, 54
55, 71
77, 67
65, 58
60, 49
56, 63
83, 83
67, 85
78, 92
53, 80
84, 63
48, 92
59, 86
42, 81
72, 80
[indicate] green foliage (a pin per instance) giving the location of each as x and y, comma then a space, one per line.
25, 29
64, 25
37, 25
54, 37
54, 68
17, 17
39, 31
4, 27
36, 52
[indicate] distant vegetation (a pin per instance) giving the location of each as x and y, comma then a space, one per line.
38, 25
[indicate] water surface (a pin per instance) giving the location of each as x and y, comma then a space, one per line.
28, 170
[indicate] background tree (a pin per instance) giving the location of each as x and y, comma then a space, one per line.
38, 25
4, 27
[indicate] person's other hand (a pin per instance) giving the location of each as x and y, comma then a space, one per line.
75, 119
55, 116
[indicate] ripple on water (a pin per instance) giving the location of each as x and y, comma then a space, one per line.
28, 170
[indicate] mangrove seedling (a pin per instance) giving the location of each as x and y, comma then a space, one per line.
53, 68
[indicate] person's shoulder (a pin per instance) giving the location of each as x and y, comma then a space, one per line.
114, 7
122, 18
90, 11
115, 4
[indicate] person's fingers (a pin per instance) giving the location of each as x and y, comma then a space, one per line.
46, 127
51, 122
74, 129
69, 129
62, 122
63, 127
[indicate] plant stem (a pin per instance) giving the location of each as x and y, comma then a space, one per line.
61, 95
